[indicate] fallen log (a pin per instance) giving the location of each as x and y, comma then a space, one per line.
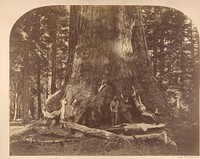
161, 136
57, 131
142, 127
108, 135
90, 131
115, 130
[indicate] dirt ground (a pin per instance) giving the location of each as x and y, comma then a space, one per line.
183, 130
92, 146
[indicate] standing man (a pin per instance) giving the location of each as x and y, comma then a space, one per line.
114, 110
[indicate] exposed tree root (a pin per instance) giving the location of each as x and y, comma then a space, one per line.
108, 135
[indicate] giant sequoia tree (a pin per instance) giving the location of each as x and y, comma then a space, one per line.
110, 56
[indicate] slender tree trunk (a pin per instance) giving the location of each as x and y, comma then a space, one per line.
39, 90
47, 88
73, 37
53, 58
16, 106
195, 74
25, 93
20, 105
155, 66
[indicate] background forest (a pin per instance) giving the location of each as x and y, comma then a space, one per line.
40, 62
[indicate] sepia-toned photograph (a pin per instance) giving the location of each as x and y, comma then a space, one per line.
104, 80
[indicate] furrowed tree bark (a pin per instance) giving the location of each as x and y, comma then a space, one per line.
102, 49
109, 48
144, 71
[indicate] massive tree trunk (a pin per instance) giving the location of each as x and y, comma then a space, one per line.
110, 56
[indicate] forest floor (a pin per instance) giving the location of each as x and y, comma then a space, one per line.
183, 130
